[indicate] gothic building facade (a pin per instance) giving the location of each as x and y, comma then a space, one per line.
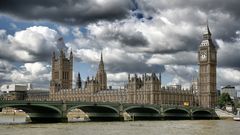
147, 90
144, 89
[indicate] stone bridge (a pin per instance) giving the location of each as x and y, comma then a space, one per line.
56, 111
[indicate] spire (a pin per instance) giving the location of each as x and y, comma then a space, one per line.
53, 55
62, 53
79, 81
101, 76
207, 33
101, 64
71, 54
101, 56
160, 77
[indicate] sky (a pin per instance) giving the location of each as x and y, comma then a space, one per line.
135, 36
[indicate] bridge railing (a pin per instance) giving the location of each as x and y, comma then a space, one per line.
79, 100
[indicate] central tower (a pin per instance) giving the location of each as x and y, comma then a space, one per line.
62, 68
207, 70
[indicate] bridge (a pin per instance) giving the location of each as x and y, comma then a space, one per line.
56, 111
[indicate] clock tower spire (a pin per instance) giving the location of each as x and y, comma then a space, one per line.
207, 70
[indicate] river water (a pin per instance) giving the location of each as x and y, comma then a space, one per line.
181, 127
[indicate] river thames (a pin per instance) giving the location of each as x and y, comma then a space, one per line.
180, 127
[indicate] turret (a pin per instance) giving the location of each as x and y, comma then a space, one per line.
79, 81
62, 54
53, 55
160, 80
71, 56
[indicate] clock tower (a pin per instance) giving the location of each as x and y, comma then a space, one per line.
207, 71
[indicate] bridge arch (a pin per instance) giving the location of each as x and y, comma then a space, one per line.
202, 114
39, 113
85, 107
33, 108
98, 112
143, 112
143, 108
176, 113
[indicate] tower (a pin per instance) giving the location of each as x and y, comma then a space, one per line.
61, 72
79, 81
101, 76
207, 70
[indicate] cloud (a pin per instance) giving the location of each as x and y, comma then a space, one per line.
117, 79
182, 75
72, 12
117, 60
179, 58
14, 26
135, 36
30, 45
228, 76
123, 33
5, 70
36, 73
63, 30
5, 66
228, 52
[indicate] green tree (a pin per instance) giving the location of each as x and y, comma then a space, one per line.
225, 99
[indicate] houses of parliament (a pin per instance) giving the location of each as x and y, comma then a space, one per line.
143, 89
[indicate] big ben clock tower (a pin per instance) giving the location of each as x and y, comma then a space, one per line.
207, 70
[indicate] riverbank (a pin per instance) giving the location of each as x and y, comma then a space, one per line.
224, 114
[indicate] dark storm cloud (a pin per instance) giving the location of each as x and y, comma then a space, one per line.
73, 12
189, 45
213, 9
5, 67
231, 6
132, 39
228, 54
136, 67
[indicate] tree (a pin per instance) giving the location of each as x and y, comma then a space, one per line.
225, 99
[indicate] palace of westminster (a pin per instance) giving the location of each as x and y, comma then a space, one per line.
144, 89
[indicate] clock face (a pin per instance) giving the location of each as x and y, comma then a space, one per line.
203, 55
